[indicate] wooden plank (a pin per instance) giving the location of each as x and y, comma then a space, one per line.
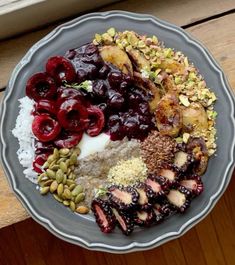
168, 10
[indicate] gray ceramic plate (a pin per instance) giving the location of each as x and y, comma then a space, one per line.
82, 231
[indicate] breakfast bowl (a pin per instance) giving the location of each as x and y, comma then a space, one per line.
81, 229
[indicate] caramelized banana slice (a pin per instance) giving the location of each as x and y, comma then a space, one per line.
117, 57
169, 116
139, 60
172, 65
194, 118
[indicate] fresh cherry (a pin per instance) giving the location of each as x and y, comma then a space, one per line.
60, 69
45, 128
96, 121
39, 160
41, 86
45, 106
73, 115
42, 147
68, 139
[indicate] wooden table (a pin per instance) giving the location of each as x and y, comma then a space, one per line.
212, 241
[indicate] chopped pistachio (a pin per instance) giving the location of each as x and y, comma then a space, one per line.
98, 38
107, 38
186, 61
184, 100
154, 39
186, 137
178, 80
179, 140
168, 52
111, 32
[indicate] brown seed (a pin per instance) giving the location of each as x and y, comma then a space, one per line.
60, 189
82, 209
44, 190
53, 186
80, 197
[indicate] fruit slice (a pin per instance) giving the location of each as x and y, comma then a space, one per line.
104, 215
144, 217
45, 128
118, 57
41, 86
124, 220
73, 115
96, 121
68, 139
139, 60
60, 69
194, 184
45, 106
39, 160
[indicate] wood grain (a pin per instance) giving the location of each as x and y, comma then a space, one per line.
180, 12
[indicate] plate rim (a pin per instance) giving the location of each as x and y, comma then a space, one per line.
134, 246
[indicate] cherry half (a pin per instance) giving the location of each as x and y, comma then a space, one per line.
68, 139
41, 86
45, 106
96, 121
60, 69
45, 128
73, 115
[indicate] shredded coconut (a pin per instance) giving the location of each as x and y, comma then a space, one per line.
23, 132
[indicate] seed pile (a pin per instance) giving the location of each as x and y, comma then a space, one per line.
157, 149
60, 180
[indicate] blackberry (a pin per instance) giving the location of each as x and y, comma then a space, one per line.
124, 221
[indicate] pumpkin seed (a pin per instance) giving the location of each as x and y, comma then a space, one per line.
54, 167
44, 190
72, 206
62, 159
60, 189
72, 186
69, 171
67, 194
63, 167
82, 209
56, 153
78, 189
66, 203
42, 177
57, 198
47, 183
50, 173
64, 179
45, 165
59, 175
77, 151
67, 162
64, 151
70, 182
50, 158
53, 186
80, 197
73, 159
52, 164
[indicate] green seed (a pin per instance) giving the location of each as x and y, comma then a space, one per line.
72, 206
45, 165
64, 179
69, 171
42, 177
53, 186
66, 203
64, 151
54, 167
67, 194
47, 183
80, 197
67, 162
57, 198
56, 153
62, 159
50, 173
77, 151
78, 189
50, 158
60, 189
59, 176
63, 167
44, 190
72, 186
73, 159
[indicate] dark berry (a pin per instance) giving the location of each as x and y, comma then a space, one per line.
96, 121
46, 106
68, 139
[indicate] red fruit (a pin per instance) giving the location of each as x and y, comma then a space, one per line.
45, 128
46, 106
39, 161
72, 115
68, 139
41, 86
61, 69
96, 121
